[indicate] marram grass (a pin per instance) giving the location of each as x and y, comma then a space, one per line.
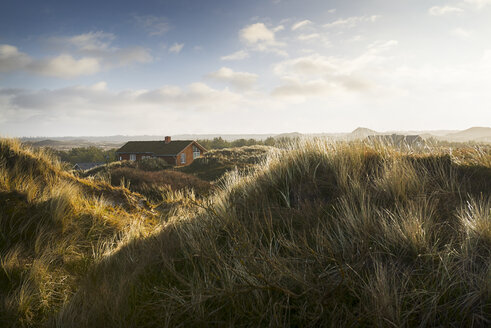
319, 234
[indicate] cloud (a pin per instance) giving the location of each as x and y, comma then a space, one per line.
311, 36
443, 10
93, 109
176, 48
126, 56
257, 33
461, 33
62, 66
479, 4
11, 59
316, 74
260, 38
351, 22
239, 80
89, 41
195, 96
154, 25
83, 99
301, 24
293, 88
82, 54
239, 55
99, 45
65, 66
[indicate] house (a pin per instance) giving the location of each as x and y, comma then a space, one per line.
86, 166
179, 152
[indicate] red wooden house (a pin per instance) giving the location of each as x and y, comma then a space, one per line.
180, 152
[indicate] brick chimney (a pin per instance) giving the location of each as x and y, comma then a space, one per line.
167, 139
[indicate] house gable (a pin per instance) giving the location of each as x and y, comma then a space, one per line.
189, 153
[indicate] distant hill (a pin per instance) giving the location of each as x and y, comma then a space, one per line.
289, 135
47, 143
482, 134
478, 134
361, 133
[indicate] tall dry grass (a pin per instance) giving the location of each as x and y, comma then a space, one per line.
53, 228
320, 234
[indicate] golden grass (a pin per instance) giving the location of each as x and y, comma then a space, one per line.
52, 227
319, 234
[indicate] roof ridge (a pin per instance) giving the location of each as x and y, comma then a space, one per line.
157, 147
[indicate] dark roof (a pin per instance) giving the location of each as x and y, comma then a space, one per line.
157, 148
86, 166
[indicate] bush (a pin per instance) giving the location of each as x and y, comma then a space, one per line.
90, 154
153, 183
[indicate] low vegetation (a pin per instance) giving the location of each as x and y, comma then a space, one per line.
320, 234
220, 143
215, 163
154, 185
90, 154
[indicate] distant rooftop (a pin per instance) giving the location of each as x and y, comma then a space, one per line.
158, 148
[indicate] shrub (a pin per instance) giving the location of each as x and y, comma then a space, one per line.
153, 183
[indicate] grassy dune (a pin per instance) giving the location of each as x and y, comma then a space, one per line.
215, 163
53, 228
321, 234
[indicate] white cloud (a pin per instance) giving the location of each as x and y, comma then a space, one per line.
99, 45
239, 55
195, 96
295, 89
12, 59
351, 22
65, 66
311, 36
443, 10
97, 96
260, 38
318, 75
82, 54
479, 4
62, 66
301, 24
257, 33
239, 80
89, 41
93, 109
176, 48
461, 33
278, 28
154, 25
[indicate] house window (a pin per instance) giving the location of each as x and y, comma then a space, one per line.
196, 152
120, 158
183, 158
132, 157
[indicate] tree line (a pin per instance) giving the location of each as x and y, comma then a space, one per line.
96, 154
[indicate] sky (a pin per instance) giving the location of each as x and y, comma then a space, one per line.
166, 67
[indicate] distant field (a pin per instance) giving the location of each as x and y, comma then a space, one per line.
314, 234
